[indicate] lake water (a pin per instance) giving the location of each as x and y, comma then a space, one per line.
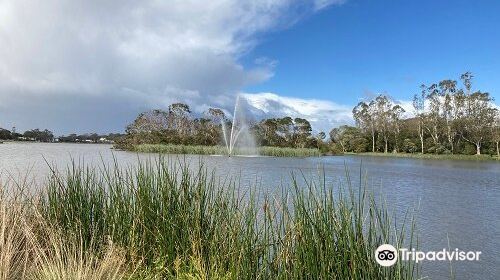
458, 201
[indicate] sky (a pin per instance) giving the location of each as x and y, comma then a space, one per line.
92, 66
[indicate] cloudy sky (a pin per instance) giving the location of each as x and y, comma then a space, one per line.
85, 66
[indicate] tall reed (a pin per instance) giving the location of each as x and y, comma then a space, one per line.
181, 222
32, 248
220, 150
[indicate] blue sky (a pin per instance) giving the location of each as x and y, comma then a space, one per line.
347, 52
100, 65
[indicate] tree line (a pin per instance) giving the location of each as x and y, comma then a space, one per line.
178, 125
45, 135
39, 135
448, 118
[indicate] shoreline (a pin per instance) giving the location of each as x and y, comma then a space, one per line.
430, 156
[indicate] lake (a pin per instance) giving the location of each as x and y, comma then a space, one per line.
457, 202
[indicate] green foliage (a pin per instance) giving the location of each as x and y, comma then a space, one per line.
178, 127
409, 146
445, 116
285, 132
349, 138
5, 134
180, 222
39, 135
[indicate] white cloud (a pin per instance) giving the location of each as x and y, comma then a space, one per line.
323, 115
141, 53
321, 4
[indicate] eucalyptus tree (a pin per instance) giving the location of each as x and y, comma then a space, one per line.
5, 134
448, 89
179, 118
433, 120
467, 81
495, 132
364, 116
268, 129
419, 109
216, 117
215, 114
480, 117
337, 135
396, 115
148, 122
302, 132
349, 138
383, 118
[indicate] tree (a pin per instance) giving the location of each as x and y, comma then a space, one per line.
302, 131
216, 118
363, 114
268, 129
150, 121
5, 134
179, 118
396, 115
419, 108
383, 117
39, 135
467, 81
448, 88
433, 121
337, 136
349, 138
216, 114
480, 116
496, 132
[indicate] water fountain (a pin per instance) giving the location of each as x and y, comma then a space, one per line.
239, 134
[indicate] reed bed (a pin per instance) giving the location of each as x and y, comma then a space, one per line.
289, 152
165, 219
221, 150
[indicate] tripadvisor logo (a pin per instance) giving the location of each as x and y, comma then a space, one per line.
387, 255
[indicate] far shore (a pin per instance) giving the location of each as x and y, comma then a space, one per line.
267, 151
430, 156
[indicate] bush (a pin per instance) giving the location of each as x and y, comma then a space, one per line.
438, 149
360, 145
409, 146
469, 149
335, 149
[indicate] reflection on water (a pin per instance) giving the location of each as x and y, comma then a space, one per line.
458, 201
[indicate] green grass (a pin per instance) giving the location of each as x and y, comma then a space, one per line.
220, 150
431, 156
175, 222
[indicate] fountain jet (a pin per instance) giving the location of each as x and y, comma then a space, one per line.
239, 133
